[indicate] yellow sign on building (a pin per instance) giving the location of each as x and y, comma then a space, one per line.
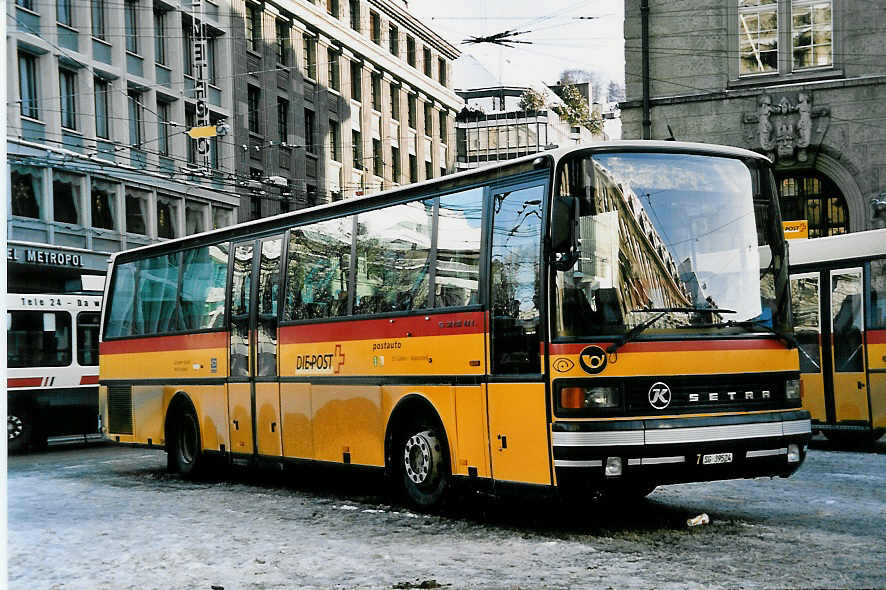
795, 230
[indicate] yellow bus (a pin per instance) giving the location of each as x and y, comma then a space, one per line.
585, 320
838, 288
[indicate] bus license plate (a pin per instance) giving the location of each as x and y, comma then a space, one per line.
716, 459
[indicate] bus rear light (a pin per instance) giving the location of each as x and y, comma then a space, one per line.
580, 398
793, 389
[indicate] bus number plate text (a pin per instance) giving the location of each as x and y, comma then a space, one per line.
716, 458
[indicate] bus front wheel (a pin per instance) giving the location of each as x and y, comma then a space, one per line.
18, 428
424, 466
185, 455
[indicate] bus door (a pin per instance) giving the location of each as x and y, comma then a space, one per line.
254, 389
806, 308
516, 393
849, 382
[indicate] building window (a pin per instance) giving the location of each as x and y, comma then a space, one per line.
131, 21
100, 89
190, 122
160, 37
67, 82
393, 39
253, 97
195, 218
816, 199
808, 22
64, 12
167, 218
395, 164
253, 27
441, 71
222, 217
413, 168
429, 119
334, 141
355, 14
356, 81
98, 19
103, 203
29, 4
811, 33
210, 59
410, 50
395, 102
378, 163
376, 92
26, 188
429, 170
27, 81
310, 57
136, 207
411, 114
282, 42
443, 131
283, 119
426, 54
375, 27
332, 7
135, 118
163, 128
310, 130
187, 49
357, 147
334, 76
310, 195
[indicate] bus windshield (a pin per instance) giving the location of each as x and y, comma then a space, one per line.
666, 243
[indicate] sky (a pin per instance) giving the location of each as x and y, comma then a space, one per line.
562, 35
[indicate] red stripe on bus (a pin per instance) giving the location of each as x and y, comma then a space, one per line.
88, 379
25, 382
876, 336
399, 327
671, 346
165, 343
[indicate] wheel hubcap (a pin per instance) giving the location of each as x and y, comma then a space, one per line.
14, 427
417, 458
188, 440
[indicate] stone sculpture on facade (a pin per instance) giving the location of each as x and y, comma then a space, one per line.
788, 128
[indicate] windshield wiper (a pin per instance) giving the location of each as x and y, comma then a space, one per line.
788, 339
684, 309
633, 332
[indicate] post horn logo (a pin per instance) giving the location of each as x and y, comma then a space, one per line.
592, 359
659, 395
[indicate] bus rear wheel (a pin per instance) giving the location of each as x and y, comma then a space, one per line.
424, 466
185, 455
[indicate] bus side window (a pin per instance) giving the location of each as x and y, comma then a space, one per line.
87, 338
877, 278
805, 308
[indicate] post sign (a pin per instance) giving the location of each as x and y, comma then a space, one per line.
795, 230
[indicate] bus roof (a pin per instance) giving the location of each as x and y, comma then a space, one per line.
351, 206
862, 244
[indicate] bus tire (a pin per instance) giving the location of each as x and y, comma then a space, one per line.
19, 427
185, 455
423, 465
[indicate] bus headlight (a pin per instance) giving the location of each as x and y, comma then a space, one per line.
793, 389
793, 453
581, 398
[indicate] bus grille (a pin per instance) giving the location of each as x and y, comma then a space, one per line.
120, 409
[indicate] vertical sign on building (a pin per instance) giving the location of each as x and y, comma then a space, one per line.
201, 68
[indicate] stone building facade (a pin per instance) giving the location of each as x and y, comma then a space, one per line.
802, 81
335, 99
99, 96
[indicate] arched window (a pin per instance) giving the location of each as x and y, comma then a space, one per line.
816, 199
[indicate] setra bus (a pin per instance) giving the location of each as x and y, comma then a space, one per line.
590, 319
838, 288
51, 369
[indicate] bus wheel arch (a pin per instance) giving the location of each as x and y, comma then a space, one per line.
184, 447
417, 456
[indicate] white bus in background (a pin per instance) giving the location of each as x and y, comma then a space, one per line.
52, 369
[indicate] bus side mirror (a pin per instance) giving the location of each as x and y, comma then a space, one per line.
564, 244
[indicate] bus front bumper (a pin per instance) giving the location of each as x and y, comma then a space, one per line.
678, 450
